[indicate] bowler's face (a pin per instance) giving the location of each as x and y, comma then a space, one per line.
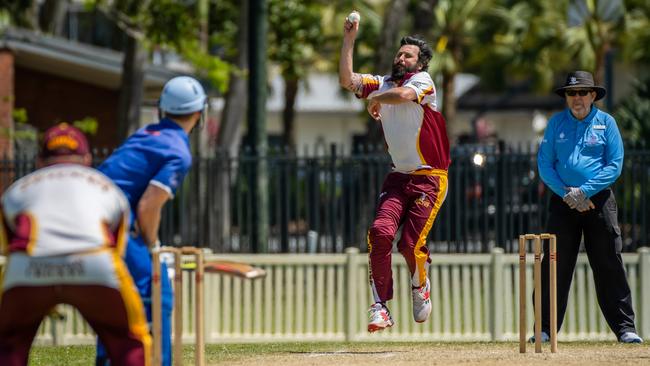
580, 105
407, 56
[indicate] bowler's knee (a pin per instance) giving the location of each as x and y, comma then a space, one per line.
380, 236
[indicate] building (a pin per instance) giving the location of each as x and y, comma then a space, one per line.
55, 80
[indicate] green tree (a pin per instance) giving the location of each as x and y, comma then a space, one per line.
423, 16
22, 13
385, 50
46, 16
165, 23
319, 51
52, 16
454, 33
595, 28
633, 114
520, 42
637, 36
295, 34
229, 35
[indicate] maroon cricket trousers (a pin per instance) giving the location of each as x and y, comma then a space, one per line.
411, 201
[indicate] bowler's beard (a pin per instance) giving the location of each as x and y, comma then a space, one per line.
400, 70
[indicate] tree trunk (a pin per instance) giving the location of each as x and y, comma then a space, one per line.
7, 95
386, 47
423, 17
52, 16
229, 137
386, 44
289, 112
131, 86
204, 16
448, 95
599, 72
28, 17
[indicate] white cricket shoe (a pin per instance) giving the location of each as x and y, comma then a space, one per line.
421, 302
379, 318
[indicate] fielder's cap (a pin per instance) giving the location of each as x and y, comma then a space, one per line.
63, 140
581, 80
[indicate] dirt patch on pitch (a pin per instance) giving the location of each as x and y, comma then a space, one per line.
467, 354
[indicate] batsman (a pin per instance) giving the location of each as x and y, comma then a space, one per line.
404, 102
149, 167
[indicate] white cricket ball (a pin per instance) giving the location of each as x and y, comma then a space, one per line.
354, 17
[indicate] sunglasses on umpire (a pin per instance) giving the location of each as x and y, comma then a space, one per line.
582, 93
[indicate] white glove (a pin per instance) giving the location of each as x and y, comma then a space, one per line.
574, 196
585, 205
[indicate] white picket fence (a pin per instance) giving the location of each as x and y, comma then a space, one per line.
324, 297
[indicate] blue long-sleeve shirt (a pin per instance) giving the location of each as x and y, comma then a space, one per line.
587, 153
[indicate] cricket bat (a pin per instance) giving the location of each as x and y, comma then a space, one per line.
230, 268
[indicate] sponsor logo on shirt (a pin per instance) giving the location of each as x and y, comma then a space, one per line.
599, 127
418, 84
561, 138
46, 270
422, 201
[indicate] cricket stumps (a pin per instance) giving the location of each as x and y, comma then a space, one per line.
537, 279
156, 306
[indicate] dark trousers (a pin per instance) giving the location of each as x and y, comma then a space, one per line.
602, 240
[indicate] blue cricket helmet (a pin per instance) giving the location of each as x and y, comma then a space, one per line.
182, 95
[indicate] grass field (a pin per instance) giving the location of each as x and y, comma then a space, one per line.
381, 353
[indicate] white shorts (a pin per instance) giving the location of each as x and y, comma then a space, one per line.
96, 268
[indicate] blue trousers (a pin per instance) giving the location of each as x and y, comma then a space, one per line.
138, 261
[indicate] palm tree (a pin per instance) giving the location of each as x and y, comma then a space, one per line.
454, 32
296, 33
595, 28
517, 43
637, 37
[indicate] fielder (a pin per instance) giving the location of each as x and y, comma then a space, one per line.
65, 227
149, 167
412, 194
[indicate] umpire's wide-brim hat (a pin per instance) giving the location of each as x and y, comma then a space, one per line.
581, 80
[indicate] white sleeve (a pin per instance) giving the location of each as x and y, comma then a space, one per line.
119, 207
10, 206
422, 84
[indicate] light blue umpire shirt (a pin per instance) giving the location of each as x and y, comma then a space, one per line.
587, 153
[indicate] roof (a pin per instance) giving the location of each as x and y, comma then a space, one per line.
516, 98
323, 94
73, 60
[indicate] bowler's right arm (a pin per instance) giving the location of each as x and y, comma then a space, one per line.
347, 78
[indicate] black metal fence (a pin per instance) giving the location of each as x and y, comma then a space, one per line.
326, 203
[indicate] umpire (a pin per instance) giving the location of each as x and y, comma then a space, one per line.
580, 157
